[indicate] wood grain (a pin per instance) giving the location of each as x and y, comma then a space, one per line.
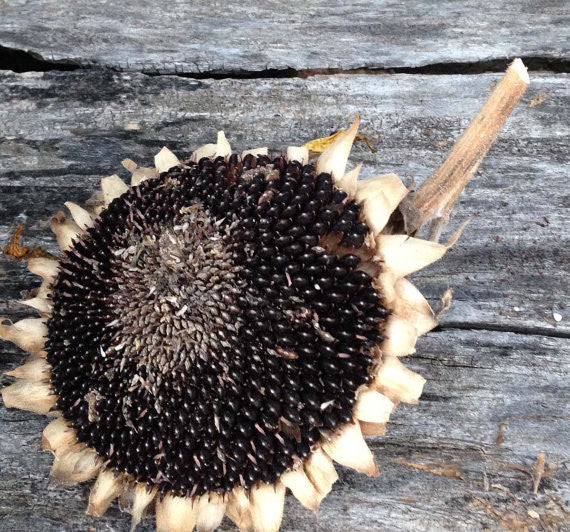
63, 131
233, 37
441, 466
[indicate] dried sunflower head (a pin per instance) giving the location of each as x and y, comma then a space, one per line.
222, 330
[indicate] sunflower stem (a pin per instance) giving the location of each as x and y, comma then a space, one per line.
436, 197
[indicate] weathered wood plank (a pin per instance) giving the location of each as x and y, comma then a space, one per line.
203, 36
65, 130
476, 380
62, 131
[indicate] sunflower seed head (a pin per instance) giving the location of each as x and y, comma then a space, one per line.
204, 320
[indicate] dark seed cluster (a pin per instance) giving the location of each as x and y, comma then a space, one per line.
213, 322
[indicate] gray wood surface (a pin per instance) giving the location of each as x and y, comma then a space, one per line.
499, 353
221, 37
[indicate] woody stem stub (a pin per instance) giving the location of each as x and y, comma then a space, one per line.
436, 197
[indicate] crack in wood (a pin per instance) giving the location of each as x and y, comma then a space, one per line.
18, 60
27, 61
526, 330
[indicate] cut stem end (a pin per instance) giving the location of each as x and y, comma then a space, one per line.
438, 194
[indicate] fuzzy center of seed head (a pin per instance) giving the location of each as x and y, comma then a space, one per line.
173, 291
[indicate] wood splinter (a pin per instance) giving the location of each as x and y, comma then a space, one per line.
436, 197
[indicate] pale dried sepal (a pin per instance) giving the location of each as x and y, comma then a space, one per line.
129, 164
376, 211
347, 447
126, 498
400, 337
176, 514
44, 290
107, 487
28, 334
398, 382
112, 187
74, 464
211, 510
29, 395
303, 489
46, 268
349, 181
379, 199
223, 148
254, 151
142, 174
372, 406
390, 185
321, 472
333, 160
66, 231
402, 254
378, 205
164, 160
42, 301
59, 433
81, 217
445, 303
372, 429
95, 204
206, 150
141, 499
267, 502
385, 285
410, 304
136, 176
35, 369
238, 509
41, 304
298, 153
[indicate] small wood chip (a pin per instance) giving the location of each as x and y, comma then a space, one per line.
445, 303
538, 471
502, 428
448, 470
538, 100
